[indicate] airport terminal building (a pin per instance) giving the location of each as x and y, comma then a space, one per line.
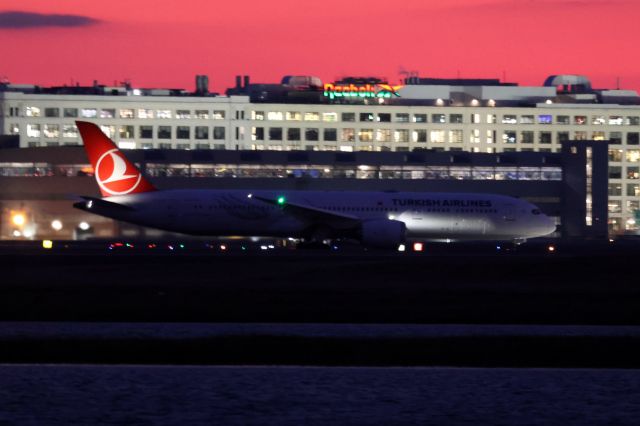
358, 133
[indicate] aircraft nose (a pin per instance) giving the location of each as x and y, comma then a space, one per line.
547, 225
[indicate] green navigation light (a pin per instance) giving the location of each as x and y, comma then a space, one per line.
281, 200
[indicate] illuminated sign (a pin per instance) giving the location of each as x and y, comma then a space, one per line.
377, 90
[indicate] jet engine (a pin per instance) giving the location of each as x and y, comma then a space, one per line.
383, 233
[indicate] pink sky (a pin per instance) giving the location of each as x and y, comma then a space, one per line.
164, 44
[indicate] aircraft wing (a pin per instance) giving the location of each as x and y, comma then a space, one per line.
315, 214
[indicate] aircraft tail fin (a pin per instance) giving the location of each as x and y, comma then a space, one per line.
114, 173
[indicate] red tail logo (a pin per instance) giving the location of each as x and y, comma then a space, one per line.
115, 174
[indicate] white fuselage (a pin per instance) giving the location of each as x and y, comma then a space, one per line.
431, 216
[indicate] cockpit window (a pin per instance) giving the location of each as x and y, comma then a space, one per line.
535, 211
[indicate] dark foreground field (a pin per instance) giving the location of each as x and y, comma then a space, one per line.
300, 287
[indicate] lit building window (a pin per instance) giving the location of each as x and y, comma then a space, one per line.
107, 113
257, 133
33, 130
69, 131
366, 116
365, 135
475, 136
491, 136
126, 132
580, 120
419, 118
437, 136
110, 131
455, 136
598, 136
509, 136
402, 118
509, 119
14, 129
257, 115
419, 135
183, 114
311, 116
32, 111
632, 155
275, 116
633, 190
51, 131
616, 120
438, 118
330, 116
88, 113
526, 119
294, 116
545, 119
614, 206
633, 207
491, 119
163, 113
615, 155
348, 135
598, 119
202, 113
127, 145
126, 113
580, 136
383, 135
145, 113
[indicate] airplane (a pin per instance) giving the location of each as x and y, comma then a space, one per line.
375, 219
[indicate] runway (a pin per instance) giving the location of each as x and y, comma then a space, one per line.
281, 306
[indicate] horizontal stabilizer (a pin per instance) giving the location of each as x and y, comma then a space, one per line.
100, 205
